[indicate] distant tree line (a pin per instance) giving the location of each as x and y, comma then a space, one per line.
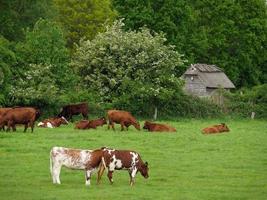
126, 54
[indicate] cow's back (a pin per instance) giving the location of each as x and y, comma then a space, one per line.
21, 114
71, 158
120, 115
3, 111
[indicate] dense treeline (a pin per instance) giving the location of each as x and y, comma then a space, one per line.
54, 52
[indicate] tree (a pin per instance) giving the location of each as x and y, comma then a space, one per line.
17, 15
45, 44
83, 18
7, 59
43, 73
231, 34
129, 66
37, 86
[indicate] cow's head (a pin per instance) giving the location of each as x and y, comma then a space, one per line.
146, 125
223, 127
104, 121
137, 126
144, 170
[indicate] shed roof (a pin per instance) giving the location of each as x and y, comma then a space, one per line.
211, 76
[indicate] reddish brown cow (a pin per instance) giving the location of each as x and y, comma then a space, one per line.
52, 122
124, 118
20, 115
155, 127
2, 112
85, 124
74, 109
219, 128
122, 159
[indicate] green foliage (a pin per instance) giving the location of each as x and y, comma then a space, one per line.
246, 100
36, 87
17, 15
43, 73
83, 19
231, 34
7, 58
45, 44
130, 65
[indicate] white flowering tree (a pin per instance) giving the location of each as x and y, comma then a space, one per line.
129, 66
36, 85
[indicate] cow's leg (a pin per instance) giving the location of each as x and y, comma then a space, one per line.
88, 177
132, 174
122, 125
56, 173
9, 124
110, 176
85, 115
112, 125
14, 127
25, 128
32, 125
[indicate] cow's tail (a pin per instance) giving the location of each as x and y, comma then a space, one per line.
103, 162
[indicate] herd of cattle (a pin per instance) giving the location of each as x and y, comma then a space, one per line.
89, 160
27, 116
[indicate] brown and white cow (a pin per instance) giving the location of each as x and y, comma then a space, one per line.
2, 113
86, 124
52, 122
88, 160
124, 118
219, 128
74, 109
20, 115
122, 159
156, 127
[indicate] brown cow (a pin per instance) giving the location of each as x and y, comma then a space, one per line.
20, 115
85, 124
74, 109
122, 159
155, 127
52, 122
2, 112
124, 118
219, 128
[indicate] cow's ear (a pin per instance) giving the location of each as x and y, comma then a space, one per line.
146, 164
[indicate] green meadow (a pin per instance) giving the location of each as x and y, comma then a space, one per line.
183, 165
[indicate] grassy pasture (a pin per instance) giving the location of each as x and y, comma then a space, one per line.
184, 165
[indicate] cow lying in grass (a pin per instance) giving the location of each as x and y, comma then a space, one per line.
52, 122
74, 159
122, 159
156, 127
86, 124
219, 128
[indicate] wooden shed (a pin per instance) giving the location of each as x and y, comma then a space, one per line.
203, 80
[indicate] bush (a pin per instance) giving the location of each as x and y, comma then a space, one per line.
248, 100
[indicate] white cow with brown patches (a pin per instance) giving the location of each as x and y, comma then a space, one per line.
87, 160
122, 159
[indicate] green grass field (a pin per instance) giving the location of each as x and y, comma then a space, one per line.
183, 165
